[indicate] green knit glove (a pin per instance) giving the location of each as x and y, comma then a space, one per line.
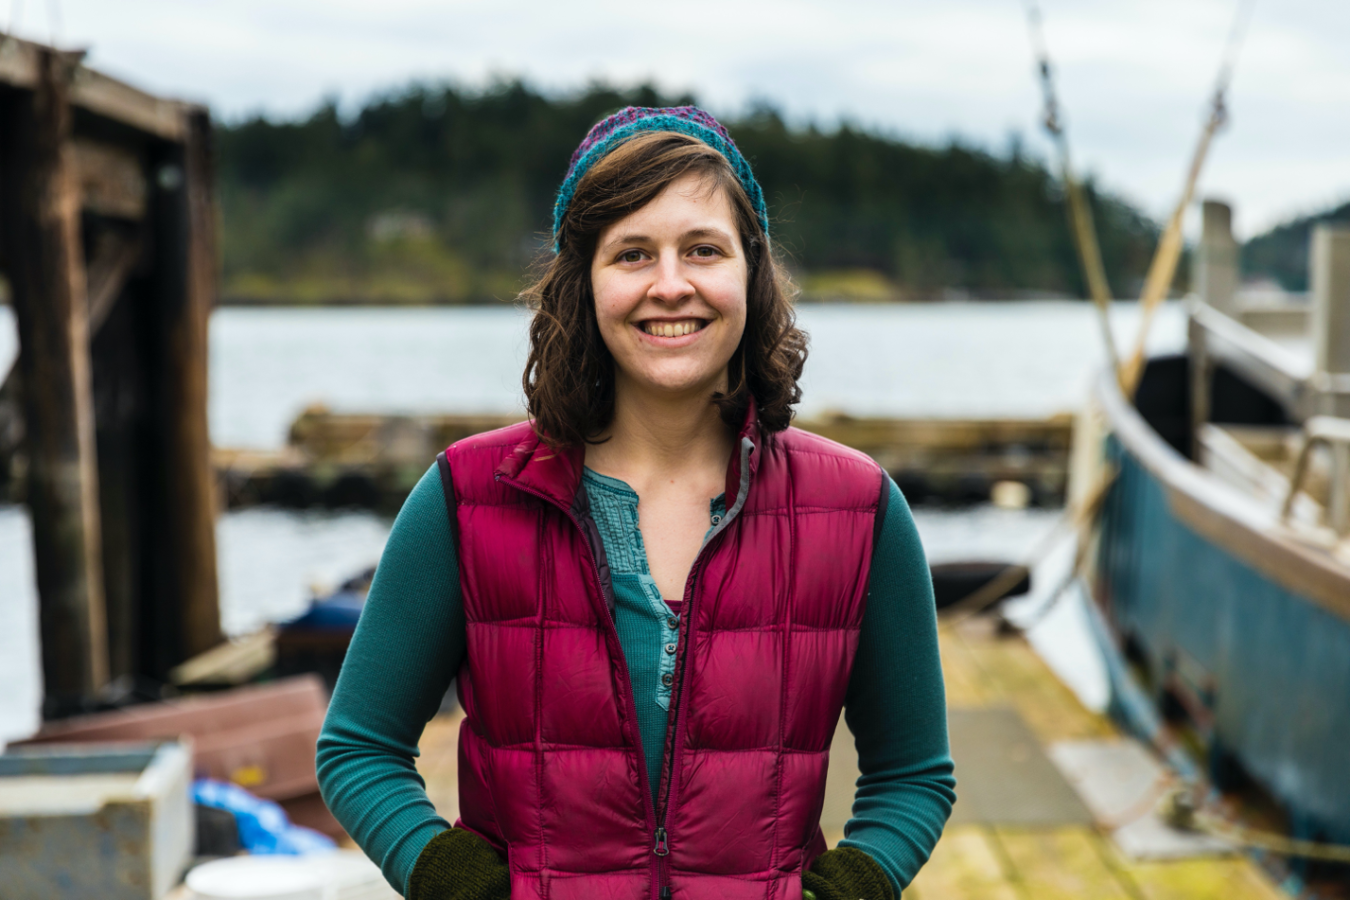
459, 865
846, 873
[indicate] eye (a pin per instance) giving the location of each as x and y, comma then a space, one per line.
704, 251
630, 256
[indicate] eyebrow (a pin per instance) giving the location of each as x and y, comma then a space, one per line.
635, 238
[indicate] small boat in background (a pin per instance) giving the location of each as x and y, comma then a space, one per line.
261, 737
1221, 570
317, 640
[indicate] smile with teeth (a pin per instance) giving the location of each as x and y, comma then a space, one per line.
672, 329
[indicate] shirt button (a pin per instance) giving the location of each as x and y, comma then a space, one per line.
667, 679
673, 623
670, 648
717, 520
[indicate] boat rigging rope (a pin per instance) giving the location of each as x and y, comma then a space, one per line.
1081, 225
1181, 812
1164, 266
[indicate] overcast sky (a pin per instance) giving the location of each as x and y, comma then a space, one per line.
1134, 75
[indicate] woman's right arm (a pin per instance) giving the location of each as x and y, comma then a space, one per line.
407, 648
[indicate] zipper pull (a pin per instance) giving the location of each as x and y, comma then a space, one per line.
661, 848
665, 893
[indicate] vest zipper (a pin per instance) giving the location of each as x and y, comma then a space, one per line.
662, 850
670, 764
672, 760
660, 878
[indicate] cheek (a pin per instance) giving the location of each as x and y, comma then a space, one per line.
731, 303
608, 307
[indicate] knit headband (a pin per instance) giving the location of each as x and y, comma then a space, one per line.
633, 120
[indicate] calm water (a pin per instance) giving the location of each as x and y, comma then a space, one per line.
954, 359
947, 360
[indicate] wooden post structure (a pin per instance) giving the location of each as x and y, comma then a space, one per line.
107, 236
1215, 279
40, 209
183, 294
1216, 259
188, 453
1330, 271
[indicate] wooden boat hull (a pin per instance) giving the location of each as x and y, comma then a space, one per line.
261, 737
1238, 628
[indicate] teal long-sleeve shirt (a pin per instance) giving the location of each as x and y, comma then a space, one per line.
411, 640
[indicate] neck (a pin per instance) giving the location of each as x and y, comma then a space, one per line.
662, 435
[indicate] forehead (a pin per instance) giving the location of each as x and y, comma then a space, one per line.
691, 202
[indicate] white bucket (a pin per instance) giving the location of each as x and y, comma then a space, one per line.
342, 875
259, 878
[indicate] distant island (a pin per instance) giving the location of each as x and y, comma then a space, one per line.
1281, 254
434, 194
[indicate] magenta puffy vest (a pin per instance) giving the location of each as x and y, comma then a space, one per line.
550, 760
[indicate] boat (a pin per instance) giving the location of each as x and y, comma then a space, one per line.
316, 640
261, 737
1220, 570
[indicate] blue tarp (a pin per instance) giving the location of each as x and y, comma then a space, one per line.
263, 826
338, 612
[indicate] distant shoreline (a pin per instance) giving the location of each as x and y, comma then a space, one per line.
805, 298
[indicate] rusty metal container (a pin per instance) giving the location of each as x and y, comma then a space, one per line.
92, 822
261, 737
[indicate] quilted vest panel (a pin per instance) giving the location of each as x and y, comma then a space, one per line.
550, 767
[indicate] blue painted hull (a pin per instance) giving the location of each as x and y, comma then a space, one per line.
1262, 669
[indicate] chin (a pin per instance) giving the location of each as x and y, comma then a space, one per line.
678, 384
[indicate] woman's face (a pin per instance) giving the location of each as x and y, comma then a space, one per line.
670, 284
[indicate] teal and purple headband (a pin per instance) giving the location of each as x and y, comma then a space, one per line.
633, 120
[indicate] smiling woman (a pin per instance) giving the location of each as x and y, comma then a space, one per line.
669, 189
655, 596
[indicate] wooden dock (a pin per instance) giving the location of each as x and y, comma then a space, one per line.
371, 460
980, 860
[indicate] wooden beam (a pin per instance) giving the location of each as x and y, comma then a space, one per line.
185, 278
190, 450
1330, 268
115, 256
1216, 259
20, 66
40, 216
112, 179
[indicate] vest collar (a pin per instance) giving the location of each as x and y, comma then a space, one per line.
744, 462
556, 474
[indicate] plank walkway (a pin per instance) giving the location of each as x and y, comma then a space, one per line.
982, 861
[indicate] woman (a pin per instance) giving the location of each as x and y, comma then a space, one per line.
656, 596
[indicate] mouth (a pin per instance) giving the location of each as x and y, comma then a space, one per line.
671, 327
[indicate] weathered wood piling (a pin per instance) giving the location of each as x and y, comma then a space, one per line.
44, 257
107, 242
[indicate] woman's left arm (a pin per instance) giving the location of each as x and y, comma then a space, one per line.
896, 709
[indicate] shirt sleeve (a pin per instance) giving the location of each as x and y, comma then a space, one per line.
896, 709
408, 646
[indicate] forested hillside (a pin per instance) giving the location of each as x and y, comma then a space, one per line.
1281, 254
435, 194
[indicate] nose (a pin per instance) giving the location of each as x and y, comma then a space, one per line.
670, 285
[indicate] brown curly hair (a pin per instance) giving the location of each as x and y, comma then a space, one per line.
569, 375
